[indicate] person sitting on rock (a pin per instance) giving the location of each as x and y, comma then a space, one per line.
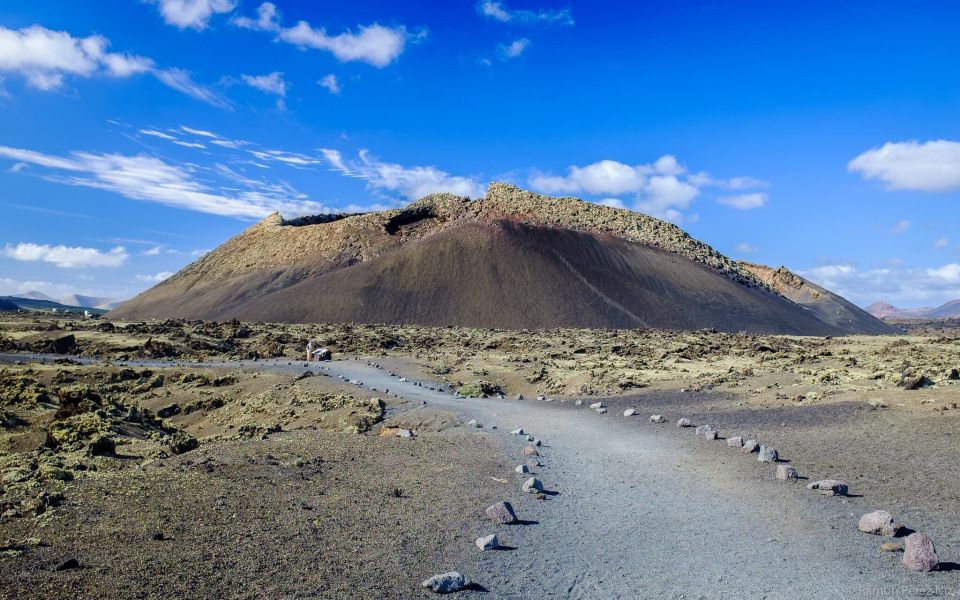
309, 350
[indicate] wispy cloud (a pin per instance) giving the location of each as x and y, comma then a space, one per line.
514, 48
498, 11
900, 227
183, 82
150, 179
330, 83
410, 183
744, 201
156, 277
268, 84
926, 167
69, 257
373, 44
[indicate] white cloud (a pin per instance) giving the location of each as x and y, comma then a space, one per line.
411, 183
746, 248
44, 57
156, 277
154, 251
927, 167
182, 81
150, 179
289, 158
900, 227
662, 188
199, 132
330, 83
189, 144
498, 11
515, 48
192, 13
744, 201
897, 284
14, 287
268, 19
373, 44
268, 84
612, 202
941, 243
66, 256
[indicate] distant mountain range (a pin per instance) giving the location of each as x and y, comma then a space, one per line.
882, 310
75, 300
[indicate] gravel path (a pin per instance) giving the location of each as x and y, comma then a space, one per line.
637, 516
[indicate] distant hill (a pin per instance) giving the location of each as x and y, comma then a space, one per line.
46, 305
6, 306
34, 295
512, 259
86, 301
883, 310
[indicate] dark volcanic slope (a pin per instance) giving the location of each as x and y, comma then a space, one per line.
512, 259
506, 274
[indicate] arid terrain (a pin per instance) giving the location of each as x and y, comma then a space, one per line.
201, 459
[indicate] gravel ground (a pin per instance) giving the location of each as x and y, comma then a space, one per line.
634, 510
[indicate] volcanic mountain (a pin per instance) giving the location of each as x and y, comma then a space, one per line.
513, 259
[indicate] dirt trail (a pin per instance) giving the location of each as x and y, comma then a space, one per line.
638, 515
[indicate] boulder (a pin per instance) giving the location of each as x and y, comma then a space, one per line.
502, 513
878, 522
530, 451
518, 431
919, 554
684, 423
767, 454
596, 405
532, 486
522, 469
63, 344
602, 411
735, 442
488, 542
830, 487
629, 412
710, 435
404, 433
657, 419
519, 397
446, 583
474, 423
787, 473
750, 446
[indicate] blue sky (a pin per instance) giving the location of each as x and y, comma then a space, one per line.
136, 135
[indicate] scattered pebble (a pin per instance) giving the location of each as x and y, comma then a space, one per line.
532, 485
767, 454
890, 547
69, 564
488, 542
474, 423
446, 583
878, 522
830, 487
787, 473
502, 513
919, 554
